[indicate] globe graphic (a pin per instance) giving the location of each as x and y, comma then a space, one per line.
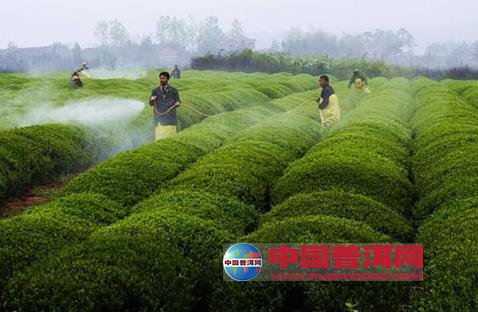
246, 252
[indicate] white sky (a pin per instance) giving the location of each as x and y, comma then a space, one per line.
41, 22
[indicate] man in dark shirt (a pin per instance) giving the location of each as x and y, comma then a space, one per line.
176, 73
75, 81
328, 103
165, 100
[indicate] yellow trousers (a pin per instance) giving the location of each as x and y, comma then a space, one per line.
359, 84
163, 132
331, 113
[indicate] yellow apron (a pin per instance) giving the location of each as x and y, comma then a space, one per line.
331, 113
359, 84
164, 132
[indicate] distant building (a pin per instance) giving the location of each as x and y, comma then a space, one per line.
59, 50
60, 57
168, 55
236, 44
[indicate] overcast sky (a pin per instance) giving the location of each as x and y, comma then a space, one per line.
41, 22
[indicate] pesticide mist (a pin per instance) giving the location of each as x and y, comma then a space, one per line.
108, 118
90, 113
126, 73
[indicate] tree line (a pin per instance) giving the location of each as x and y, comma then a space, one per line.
275, 62
187, 41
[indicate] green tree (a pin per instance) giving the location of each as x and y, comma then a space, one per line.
111, 33
382, 44
117, 33
236, 31
101, 33
173, 32
210, 36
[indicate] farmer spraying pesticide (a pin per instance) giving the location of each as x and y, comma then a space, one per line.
165, 100
360, 82
75, 80
176, 73
328, 103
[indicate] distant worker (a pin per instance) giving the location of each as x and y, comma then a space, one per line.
176, 73
165, 100
75, 81
84, 66
328, 103
360, 82
84, 69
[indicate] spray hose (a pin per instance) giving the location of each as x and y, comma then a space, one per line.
300, 104
176, 106
192, 108
206, 115
166, 112
195, 110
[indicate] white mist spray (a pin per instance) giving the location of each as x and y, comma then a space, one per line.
92, 113
125, 73
109, 118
